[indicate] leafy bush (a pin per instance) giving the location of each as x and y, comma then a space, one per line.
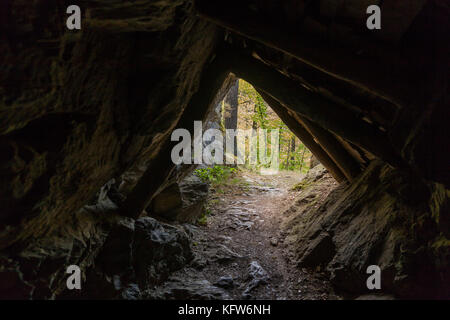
203, 219
215, 174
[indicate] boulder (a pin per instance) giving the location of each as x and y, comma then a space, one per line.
257, 276
315, 173
158, 250
320, 250
135, 256
183, 202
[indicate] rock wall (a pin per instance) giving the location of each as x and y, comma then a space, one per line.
77, 109
384, 218
83, 114
119, 257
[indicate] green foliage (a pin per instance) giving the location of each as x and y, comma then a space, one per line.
293, 156
260, 116
203, 220
215, 174
302, 185
298, 158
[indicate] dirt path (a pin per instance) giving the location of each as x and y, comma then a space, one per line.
240, 254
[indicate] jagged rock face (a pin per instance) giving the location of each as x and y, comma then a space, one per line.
159, 250
135, 256
83, 111
79, 108
122, 258
383, 219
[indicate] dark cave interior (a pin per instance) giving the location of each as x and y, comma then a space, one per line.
80, 108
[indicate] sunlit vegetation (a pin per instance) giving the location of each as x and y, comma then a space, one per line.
216, 174
255, 113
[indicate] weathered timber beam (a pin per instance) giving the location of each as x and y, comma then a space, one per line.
383, 71
374, 107
340, 120
162, 165
335, 150
306, 138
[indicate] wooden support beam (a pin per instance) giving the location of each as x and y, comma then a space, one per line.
374, 107
340, 120
362, 156
348, 165
162, 165
372, 66
306, 138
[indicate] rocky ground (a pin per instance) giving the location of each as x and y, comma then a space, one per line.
261, 238
240, 252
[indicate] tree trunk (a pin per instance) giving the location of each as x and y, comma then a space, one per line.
288, 157
293, 148
301, 160
231, 106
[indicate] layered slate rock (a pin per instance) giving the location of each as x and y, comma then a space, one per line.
158, 250
135, 256
383, 218
81, 107
78, 109
118, 256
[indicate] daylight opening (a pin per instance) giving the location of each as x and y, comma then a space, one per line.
250, 212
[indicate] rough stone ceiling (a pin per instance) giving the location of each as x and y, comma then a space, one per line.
80, 108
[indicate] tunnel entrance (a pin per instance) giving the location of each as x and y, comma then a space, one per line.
88, 179
253, 112
240, 239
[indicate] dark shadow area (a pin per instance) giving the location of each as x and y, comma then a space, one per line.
88, 133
